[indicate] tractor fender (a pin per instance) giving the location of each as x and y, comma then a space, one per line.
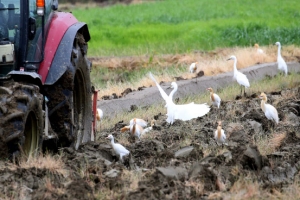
29, 77
61, 60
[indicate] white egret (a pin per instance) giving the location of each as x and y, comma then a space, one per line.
240, 77
220, 134
269, 110
258, 50
214, 98
146, 130
99, 114
280, 61
138, 121
193, 69
136, 129
119, 149
183, 112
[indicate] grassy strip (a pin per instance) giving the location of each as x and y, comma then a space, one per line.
227, 94
174, 26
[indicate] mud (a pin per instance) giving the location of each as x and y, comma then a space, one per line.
181, 161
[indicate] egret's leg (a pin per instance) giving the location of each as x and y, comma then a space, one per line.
241, 90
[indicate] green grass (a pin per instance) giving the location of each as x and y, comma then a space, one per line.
176, 26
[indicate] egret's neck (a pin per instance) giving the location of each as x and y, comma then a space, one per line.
234, 66
219, 131
212, 96
112, 141
279, 49
263, 105
173, 92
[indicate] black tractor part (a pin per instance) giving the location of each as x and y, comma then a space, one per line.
69, 100
21, 120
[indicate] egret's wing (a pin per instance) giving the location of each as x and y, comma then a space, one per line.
242, 79
223, 135
162, 92
271, 113
190, 111
138, 121
120, 149
217, 98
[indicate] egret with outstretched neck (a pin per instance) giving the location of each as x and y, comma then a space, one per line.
269, 110
239, 76
183, 112
280, 61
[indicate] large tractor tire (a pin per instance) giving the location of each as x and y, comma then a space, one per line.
70, 105
21, 120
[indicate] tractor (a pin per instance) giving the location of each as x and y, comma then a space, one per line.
46, 96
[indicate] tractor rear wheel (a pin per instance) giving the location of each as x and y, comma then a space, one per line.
70, 102
21, 120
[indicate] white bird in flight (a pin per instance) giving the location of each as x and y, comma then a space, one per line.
214, 98
240, 77
220, 136
183, 112
119, 149
269, 110
281, 63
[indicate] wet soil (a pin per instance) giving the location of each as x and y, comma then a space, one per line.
181, 161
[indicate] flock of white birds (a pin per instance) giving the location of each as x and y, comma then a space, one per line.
184, 112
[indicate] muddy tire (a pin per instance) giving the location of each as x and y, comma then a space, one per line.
21, 120
70, 105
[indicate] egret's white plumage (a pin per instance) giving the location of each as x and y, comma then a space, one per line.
193, 67
136, 129
183, 112
220, 136
280, 61
119, 149
146, 130
239, 76
214, 98
138, 121
258, 50
269, 110
99, 114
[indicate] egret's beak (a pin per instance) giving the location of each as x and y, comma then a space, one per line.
228, 59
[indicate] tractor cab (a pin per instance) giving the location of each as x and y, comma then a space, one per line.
22, 33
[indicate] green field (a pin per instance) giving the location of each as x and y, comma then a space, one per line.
182, 26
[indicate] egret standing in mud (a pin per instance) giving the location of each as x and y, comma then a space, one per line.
119, 149
280, 61
193, 69
214, 98
220, 136
136, 129
138, 121
240, 77
269, 110
183, 112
